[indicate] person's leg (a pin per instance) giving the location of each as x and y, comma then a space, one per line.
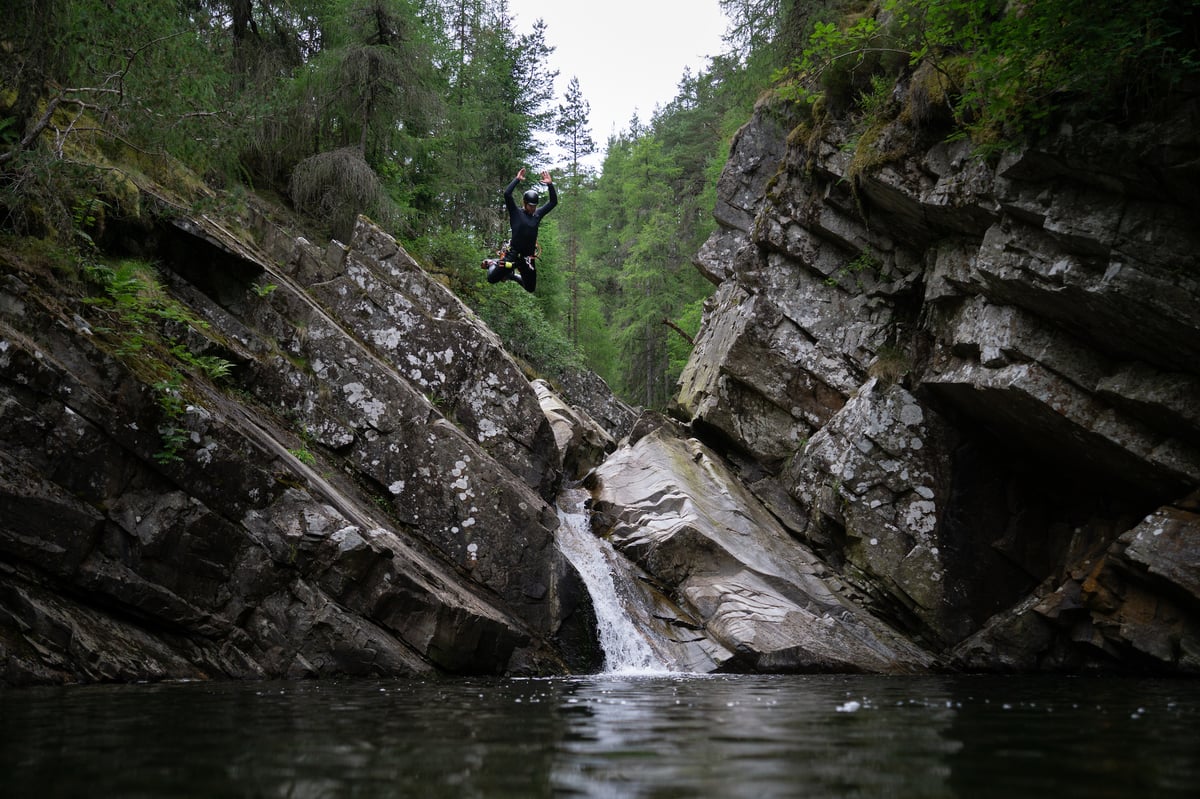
497, 271
502, 268
528, 274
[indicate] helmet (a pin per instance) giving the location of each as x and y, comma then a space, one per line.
532, 196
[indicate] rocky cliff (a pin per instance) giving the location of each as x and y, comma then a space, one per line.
364, 489
971, 387
942, 414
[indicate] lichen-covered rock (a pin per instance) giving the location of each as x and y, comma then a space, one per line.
873, 478
359, 496
441, 349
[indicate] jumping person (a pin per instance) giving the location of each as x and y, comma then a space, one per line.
517, 262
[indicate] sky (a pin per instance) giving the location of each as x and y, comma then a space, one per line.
627, 54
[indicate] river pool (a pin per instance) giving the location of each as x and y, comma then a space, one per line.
610, 735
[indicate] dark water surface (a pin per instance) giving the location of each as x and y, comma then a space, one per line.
608, 736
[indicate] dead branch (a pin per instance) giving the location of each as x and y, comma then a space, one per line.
32, 134
691, 341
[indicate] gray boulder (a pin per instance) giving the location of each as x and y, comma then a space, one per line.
741, 593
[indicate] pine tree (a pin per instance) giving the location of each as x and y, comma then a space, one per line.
500, 98
372, 96
575, 138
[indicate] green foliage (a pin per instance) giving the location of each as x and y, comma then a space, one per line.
574, 136
142, 318
500, 96
119, 54
688, 320
135, 296
1028, 62
304, 455
214, 367
8, 132
650, 211
417, 112
518, 319
1012, 67
864, 262
454, 253
169, 395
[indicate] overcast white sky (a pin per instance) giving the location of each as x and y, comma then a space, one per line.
628, 54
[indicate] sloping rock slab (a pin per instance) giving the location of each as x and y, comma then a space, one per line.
677, 512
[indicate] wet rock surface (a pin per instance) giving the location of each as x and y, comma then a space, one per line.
736, 580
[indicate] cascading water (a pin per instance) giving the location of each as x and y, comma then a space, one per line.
626, 648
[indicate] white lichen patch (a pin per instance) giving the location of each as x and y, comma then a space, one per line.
911, 415
348, 539
389, 339
920, 517
488, 429
360, 397
462, 485
204, 455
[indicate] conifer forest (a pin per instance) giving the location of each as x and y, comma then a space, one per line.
417, 113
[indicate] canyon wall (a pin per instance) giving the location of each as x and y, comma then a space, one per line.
971, 386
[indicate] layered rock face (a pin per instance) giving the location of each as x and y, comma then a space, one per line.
941, 414
367, 492
972, 388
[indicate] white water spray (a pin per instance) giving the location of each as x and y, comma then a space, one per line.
626, 648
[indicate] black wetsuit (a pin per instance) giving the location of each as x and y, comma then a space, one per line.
523, 244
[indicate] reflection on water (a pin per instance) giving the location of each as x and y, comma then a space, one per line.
600, 736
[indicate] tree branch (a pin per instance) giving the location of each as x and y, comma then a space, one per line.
691, 341
32, 134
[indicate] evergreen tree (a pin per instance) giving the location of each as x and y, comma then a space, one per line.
575, 139
651, 210
371, 91
500, 98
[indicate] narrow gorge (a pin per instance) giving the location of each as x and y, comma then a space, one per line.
943, 415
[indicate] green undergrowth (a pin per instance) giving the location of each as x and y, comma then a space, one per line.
149, 331
999, 72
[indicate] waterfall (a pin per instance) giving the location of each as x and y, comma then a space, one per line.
626, 648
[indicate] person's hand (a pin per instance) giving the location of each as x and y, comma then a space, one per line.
521, 174
546, 178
